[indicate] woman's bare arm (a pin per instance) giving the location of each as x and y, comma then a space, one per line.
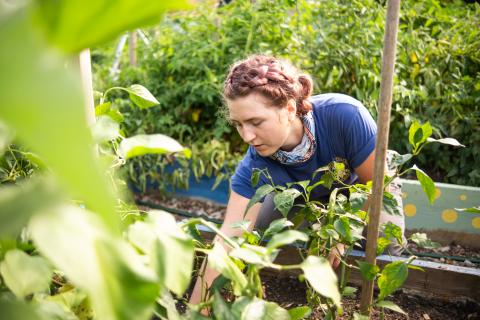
235, 212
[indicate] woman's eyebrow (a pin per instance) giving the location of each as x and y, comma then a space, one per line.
246, 120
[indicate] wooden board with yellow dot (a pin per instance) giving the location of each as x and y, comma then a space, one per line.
419, 214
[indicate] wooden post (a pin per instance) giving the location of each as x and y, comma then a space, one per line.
132, 48
383, 123
86, 75
118, 55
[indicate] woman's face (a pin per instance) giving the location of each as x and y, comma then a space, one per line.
265, 128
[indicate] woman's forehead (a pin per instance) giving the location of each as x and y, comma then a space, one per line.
250, 106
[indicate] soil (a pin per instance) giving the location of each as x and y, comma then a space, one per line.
289, 292
217, 211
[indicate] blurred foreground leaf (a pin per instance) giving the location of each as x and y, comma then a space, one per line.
19, 202
73, 25
119, 285
24, 274
42, 101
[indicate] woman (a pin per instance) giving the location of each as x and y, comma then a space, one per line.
291, 134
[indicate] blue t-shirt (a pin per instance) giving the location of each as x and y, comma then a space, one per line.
344, 132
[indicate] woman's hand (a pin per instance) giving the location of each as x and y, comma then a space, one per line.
335, 255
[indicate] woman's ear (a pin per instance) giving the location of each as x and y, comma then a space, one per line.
291, 109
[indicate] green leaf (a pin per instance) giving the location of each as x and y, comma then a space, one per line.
368, 271
418, 134
299, 313
255, 177
349, 291
357, 200
390, 204
52, 121
259, 194
449, 141
221, 262
328, 231
112, 273
72, 28
286, 237
242, 225
73, 299
391, 278
49, 310
469, 210
357, 316
426, 182
248, 256
106, 109
400, 159
19, 202
304, 184
382, 244
276, 226
220, 308
390, 305
392, 231
327, 180
105, 129
141, 96
159, 237
342, 226
18, 310
218, 179
6, 137
412, 133
256, 309
320, 275
167, 306
284, 201
422, 240
142, 144
24, 274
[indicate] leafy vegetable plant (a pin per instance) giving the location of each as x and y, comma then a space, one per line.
338, 221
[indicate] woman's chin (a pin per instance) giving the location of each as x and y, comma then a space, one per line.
264, 151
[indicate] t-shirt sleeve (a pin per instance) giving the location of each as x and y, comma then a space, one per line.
241, 179
360, 135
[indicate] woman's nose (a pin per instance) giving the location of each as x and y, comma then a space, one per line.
248, 135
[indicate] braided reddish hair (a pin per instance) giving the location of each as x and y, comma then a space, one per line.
275, 79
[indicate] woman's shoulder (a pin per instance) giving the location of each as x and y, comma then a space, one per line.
325, 100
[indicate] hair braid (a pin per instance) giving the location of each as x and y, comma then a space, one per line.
277, 80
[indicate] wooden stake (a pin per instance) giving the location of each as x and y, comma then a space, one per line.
86, 75
383, 124
132, 48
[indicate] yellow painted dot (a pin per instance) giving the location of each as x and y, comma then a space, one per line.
463, 197
476, 222
438, 193
404, 195
449, 216
410, 210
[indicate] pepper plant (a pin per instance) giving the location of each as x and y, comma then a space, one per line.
341, 220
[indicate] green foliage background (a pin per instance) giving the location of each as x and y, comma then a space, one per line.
339, 43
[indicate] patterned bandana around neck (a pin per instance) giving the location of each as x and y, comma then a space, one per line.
305, 149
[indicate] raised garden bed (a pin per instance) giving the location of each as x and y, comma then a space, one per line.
445, 277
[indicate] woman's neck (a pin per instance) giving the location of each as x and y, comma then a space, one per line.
296, 135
